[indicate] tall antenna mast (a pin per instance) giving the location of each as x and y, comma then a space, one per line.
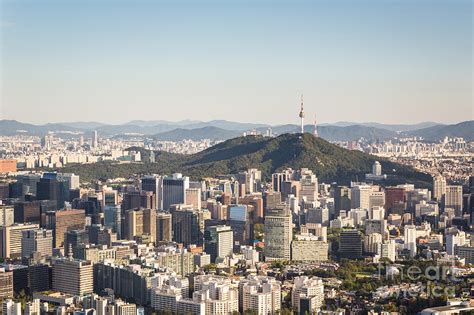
315, 127
302, 115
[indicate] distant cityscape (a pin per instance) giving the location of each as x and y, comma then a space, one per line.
237, 243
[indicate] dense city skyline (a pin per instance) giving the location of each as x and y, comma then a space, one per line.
237, 61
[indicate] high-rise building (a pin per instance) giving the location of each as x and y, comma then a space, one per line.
395, 200
308, 248
6, 284
350, 245
453, 199
387, 250
27, 211
360, 196
409, 233
141, 222
186, 227
193, 198
278, 235
51, 188
6, 215
94, 140
10, 239
342, 199
73, 277
439, 187
37, 241
260, 294
113, 218
152, 184
173, 191
62, 221
218, 241
307, 296
163, 227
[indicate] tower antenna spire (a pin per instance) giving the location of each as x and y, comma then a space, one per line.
315, 127
302, 114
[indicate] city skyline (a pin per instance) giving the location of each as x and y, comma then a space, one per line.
239, 61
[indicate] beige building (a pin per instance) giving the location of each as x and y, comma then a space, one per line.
73, 277
141, 222
10, 239
307, 247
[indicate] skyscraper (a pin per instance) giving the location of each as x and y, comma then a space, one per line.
350, 245
278, 234
439, 187
62, 221
73, 277
218, 241
163, 227
453, 199
95, 139
39, 241
173, 191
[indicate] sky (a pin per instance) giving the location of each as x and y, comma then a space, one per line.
387, 61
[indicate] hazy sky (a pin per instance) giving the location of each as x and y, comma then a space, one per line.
394, 61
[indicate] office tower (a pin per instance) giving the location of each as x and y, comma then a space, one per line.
163, 227
113, 218
193, 198
278, 235
395, 201
73, 277
376, 199
218, 241
62, 221
39, 241
360, 196
387, 250
50, 188
27, 211
439, 188
271, 199
94, 140
4, 191
6, 284
350, 245
308, 185
308, 248
39, 277
173, 191
454, 239
453, 199
74, 238
371, 242
241, 224
10, 239
377, 169
152, 184
342, 199
260, 294
186, 228
318, 215
307, 296
136, 199
30, 182
122, 308
11, 308
141, 222
409, 233
6, 215
109, 197
250, 179
71, 179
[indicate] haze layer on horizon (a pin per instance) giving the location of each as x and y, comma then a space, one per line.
116, 61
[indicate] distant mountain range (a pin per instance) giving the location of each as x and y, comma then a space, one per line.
330, 162
223, 130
